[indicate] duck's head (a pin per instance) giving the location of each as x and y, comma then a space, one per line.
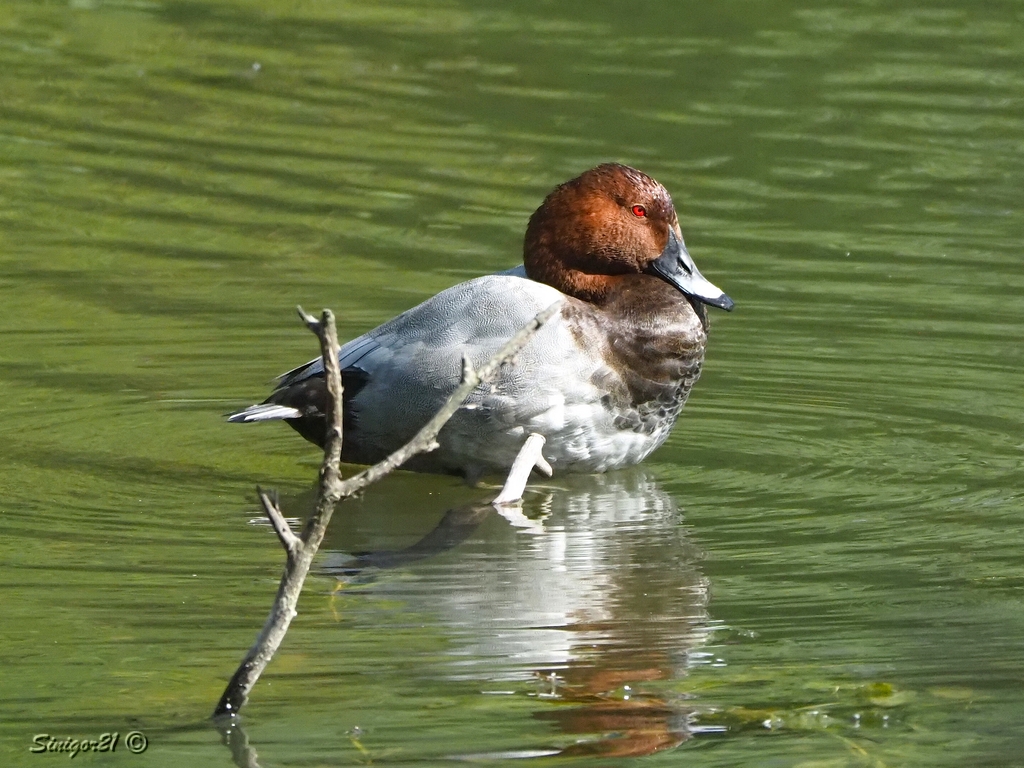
609, 222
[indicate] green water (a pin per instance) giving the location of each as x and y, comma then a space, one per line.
822, 567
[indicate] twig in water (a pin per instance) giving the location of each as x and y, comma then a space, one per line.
301, 549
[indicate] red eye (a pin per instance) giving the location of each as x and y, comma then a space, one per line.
639, 211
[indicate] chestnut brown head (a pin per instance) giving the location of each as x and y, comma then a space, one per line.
610, 221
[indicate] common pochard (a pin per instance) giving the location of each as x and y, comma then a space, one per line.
603, 381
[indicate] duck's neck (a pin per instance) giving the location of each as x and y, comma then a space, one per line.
544, 267
648, 303
596, 289
646, 320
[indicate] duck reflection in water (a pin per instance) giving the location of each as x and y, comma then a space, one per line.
591, 597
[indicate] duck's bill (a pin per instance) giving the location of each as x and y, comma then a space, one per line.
677, 268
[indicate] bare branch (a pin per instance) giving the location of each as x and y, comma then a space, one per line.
330, 476
302, 549
292, 544
311, 322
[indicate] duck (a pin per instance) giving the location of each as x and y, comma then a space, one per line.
603, 381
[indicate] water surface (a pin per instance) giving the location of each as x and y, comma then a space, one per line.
821, 567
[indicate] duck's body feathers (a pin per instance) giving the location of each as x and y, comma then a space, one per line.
566, 384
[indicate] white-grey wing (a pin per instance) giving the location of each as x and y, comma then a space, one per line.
350, 353
412, 363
